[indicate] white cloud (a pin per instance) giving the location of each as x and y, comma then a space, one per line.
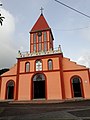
7, 52
8, 23
84, 60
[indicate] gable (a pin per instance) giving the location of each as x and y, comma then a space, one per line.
70, 65
12, 71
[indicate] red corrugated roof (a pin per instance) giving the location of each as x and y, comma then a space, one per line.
41, 24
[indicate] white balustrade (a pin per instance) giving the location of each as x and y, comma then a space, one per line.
28, 54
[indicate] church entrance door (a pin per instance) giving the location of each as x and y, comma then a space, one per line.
76, 83
10, 90
39, 86
39, 89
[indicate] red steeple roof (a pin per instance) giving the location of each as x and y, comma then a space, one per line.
41, 24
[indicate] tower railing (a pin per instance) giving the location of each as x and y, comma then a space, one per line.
28, 54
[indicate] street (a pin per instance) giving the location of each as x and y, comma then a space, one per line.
74, 110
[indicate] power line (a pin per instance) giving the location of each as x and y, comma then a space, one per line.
72, 8
73, 29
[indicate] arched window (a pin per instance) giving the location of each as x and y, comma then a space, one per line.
10, 90
50, 65
39, 77
38, 65
27, 67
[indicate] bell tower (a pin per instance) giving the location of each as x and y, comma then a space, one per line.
41, 37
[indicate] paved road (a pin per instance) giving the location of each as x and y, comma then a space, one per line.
78, 110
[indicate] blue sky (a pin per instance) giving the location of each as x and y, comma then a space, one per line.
20, 16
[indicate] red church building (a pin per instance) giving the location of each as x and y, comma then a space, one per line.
43, 72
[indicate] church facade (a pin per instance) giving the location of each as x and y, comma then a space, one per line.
43, 72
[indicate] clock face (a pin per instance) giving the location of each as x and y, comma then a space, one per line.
39, 33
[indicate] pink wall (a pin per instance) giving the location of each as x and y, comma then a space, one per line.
81, 71
53, 79
53, 86
55, 63
44, 62
22, 66
70, 65
24, 87
3, 85
85, 81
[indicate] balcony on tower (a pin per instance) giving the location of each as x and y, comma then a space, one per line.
28, 54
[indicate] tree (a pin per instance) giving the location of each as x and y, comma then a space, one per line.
1, 19
3, 70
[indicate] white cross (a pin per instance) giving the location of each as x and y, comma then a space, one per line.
41, 10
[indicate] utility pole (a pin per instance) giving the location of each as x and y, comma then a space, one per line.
1, 17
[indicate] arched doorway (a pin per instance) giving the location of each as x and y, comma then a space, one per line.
77, 87
38, 86
10, 90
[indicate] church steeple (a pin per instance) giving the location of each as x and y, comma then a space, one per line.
41, 24
41, 37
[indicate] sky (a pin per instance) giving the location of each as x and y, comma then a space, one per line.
70, 29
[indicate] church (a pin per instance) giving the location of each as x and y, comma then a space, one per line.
43, 72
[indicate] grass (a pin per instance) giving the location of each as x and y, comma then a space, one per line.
1, 110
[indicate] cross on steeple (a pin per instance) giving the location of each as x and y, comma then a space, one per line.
0, 4
41, 11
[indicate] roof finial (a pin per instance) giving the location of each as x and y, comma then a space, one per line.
41, 11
